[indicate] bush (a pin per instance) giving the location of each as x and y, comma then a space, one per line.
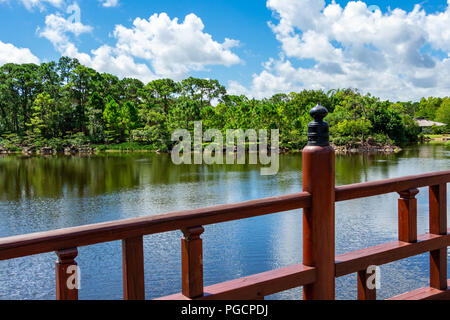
78, 139
342, 141
56, 144
438, 130
380, 138
11, 142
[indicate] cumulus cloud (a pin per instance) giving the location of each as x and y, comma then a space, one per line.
390, 54
174, 48
11, 54
109, 3
58, 30
171, 48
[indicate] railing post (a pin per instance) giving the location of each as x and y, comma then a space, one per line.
133, 268
319, 219
407, 216
364, 292
67, 276
192, 262
438, 226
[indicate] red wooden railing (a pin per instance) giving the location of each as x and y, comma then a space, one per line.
66, 241
320, 266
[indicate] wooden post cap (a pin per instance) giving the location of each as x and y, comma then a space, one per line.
319, 130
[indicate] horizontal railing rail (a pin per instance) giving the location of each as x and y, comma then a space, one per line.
48, 241
370, 189
355, 261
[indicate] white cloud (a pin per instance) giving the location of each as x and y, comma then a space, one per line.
11, 54
104, 59
30, 4
109, 3
40, 4
172, 49
352, 46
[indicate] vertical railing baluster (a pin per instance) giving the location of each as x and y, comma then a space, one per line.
67, 274
407, 216
133, 268
319, 219
192, 262
364, 292
438, 226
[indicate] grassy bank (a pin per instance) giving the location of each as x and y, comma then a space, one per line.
437, 136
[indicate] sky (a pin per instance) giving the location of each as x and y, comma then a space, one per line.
397, 50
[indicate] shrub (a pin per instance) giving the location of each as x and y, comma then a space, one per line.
380, 138
342, 141
56, 144
78, 139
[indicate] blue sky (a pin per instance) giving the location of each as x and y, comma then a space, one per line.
273, 46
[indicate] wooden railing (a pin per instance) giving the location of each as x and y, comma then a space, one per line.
66, 241
320, 266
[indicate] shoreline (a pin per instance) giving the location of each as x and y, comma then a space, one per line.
366, 148
94, 149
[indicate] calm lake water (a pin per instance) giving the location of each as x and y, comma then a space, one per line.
44, 193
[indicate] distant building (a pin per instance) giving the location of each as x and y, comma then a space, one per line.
426, 125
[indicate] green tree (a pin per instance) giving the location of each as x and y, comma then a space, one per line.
128, 117
443, 113
111, 116
202, 90
428, 107
96, 126
42, 119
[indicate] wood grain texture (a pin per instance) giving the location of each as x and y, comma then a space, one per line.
370, 189
407, 216
66, 274
319, 221
364, 292
256, 286
133, 269
36, 243
427, 293
438, 225
192, 262
385, 253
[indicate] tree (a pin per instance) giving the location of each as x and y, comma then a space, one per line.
42, 122
111, 116
128, 117
389, 122
95, 109
162, 93
443, 113
428, 107
184, 113
202, 90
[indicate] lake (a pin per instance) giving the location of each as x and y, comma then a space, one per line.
45, 193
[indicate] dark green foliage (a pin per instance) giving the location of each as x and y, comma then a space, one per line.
64, 103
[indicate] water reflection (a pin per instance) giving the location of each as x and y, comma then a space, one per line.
43, 193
